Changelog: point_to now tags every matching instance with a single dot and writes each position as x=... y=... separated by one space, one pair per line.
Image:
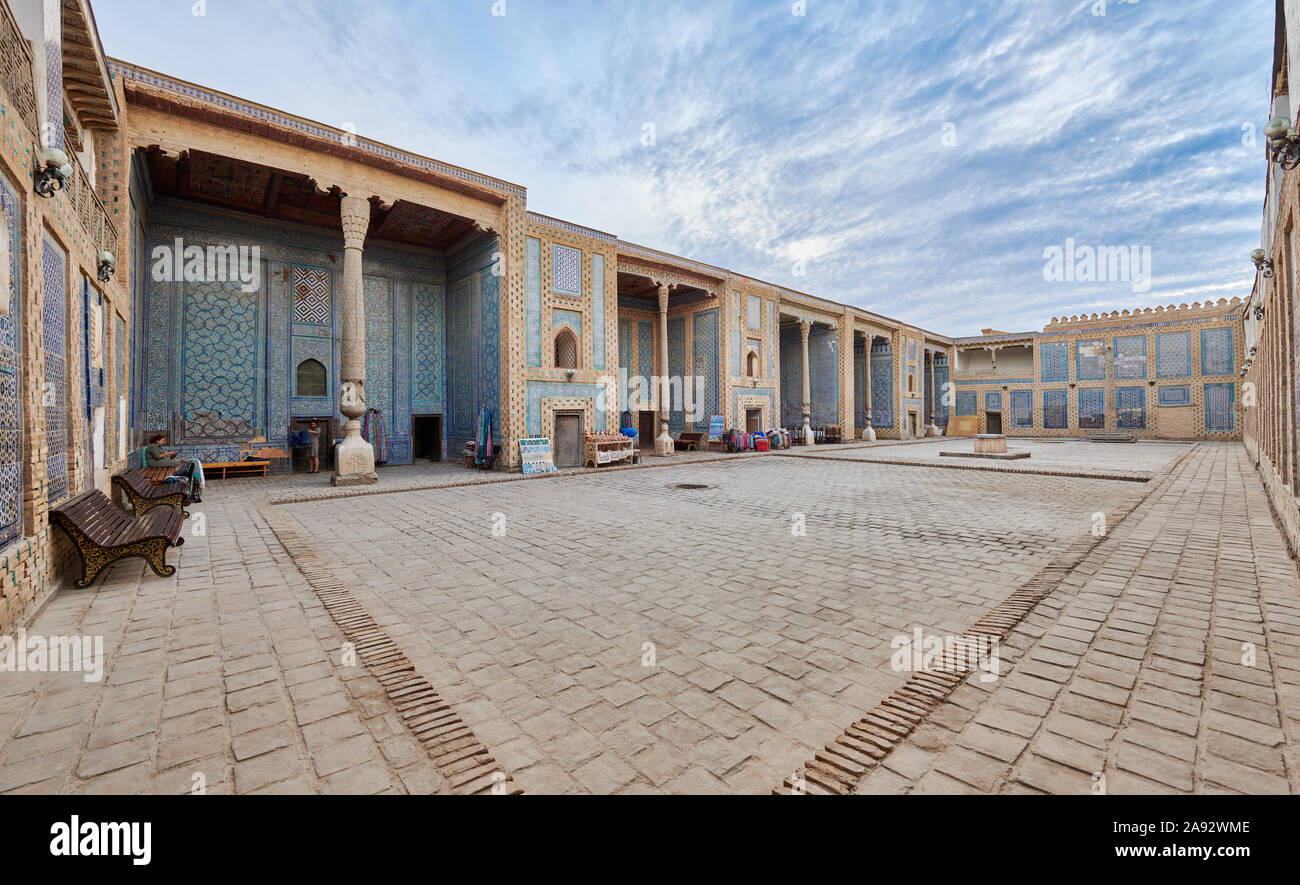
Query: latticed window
x=566 y=350
x=311 y=378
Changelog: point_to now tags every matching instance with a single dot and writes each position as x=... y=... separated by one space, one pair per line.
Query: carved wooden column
x=354 y=461
x=804 y=328
x=664 y=441
x=869 y=432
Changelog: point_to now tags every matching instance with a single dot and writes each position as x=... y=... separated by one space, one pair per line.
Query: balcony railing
x=90 y=211
x=16 y=69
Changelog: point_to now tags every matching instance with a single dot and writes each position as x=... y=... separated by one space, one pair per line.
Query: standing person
x=313 y=456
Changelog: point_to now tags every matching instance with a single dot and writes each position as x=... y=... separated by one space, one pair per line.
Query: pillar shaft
x=354 y=461
x=804 y=328
x=664 y=442
x=869 y=432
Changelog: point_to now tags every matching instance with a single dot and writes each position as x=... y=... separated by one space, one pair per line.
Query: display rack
x=600 y=449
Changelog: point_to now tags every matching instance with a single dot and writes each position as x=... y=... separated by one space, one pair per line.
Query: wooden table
x=230 y=469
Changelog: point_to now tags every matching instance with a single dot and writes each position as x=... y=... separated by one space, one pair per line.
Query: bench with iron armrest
x=102 y=533
x=137 y=487
x=689 y=441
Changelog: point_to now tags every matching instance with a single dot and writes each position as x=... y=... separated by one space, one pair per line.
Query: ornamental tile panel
x=1131 y=357
x=311 y=295
x=1219 y=413
x=1173 y=354
x=54 y=314
x=1054 y=358
x=1022 y=408
x=1131 y=408
x=1056 y=409
x=566 y=270
x=1217 y=355
x=11 y=400
x=1092 y=409
x=1090 y=360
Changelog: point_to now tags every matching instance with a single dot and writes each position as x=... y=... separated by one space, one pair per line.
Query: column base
x=354 y=459
x=868 y=434
x=809 y=437
x=664 y=444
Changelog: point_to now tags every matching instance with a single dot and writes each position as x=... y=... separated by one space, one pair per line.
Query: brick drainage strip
x=463 y=763
x=1076 y=474
x=839 y=767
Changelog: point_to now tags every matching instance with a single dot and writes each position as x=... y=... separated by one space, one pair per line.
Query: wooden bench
x=157 y=475
x=230 y=469
x=144 y=495
x=689 y=441
x=103 y=533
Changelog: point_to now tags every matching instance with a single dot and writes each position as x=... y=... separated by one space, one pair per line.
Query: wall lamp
x=1263 y=263
x=107 y=265
x=55 y=170
x=1283 y=142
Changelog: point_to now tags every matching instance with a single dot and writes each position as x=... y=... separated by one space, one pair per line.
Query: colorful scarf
x=374 y=431
x=483 y=455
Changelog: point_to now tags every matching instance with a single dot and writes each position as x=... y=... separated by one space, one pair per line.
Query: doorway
x=912 y=429
x=426 y=437
x=753 y=420
x=567 y=445
x=300 y=455
x=993 y=421
x=646 y=430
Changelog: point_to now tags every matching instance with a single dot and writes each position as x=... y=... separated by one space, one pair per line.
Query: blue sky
x=808 y=150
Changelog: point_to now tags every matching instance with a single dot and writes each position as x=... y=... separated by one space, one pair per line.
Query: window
x=311 y=379
x=566 y=349
x=751 y=365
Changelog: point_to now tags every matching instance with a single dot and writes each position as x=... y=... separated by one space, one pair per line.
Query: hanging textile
x=375 y=432
x=484 y=455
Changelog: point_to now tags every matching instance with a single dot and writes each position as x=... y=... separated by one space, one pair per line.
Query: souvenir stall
x=600 y=449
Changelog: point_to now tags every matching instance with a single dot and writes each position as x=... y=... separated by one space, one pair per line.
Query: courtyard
x=703 y=626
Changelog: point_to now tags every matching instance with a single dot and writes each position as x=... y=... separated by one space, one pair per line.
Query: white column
x=804 y=328
x=664 y=441
x=354 y=461
x=869 y=432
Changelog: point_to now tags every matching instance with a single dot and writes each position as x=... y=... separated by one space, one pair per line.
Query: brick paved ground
x=1133 y=676
x=229 y=669
x=766 y=643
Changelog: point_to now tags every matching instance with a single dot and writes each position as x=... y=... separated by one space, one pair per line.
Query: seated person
x=156 y=456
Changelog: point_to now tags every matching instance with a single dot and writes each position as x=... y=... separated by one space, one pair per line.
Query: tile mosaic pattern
x=1219 y=412
x=1173 y=354
x=1092 y=409
x=311 y=295
x=220 y=335
x=1054 y=357
x=967 y=402
x=1217 y=356
x=882 y=384
x=54 y=314
x=570 y=318
x=1131 y=408
x=1022 y=408
x=427 y=353
x=566 y=269
x=598 y=311
x=1090 y=360
x=1056 y=409
x=1131 y=357
x=1177 y=395
x=992 y=402
x=645 y=352
x=753 y=312
x=676 y=369
x=11 y=399
x=704 y=358
x=533 y=301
